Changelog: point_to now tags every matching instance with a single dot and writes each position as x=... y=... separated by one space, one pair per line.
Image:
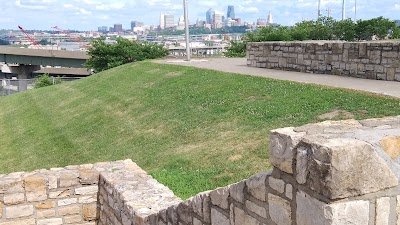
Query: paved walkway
x=239 y=65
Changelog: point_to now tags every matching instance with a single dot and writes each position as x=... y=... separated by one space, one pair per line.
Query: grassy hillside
x=192 y=129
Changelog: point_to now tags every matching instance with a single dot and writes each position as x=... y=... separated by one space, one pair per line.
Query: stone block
x=279 y=210
x=89 y=212
x=242 y=218
x=60 y=194
x=48 y=213
x=88 y=176
x=391 y=145
x=90 y=190
x=35 y=184
x=382 y=211
x=390 y=74
x=341 y=167
x=69 y=179
x=217 y=218
x=76 y=219
x=237 y=191
x=36 y=196
x=220 y=197
x=14 y=199
x=87 y=199
x=256 y=186
x=277 y=184
x=69 y=210
x=52 y=182
x=197 y=222
x=45 y=205
x=52 y=221
x=311 y=211
x=68 y=201
x=261 y=211
x=282 y=144
x=390 y=54
x=289 y=191
x=13 y=212
x=197 y=205
x=20 y=222
x=1 y=210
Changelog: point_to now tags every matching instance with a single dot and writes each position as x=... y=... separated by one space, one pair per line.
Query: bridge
x=24 y=62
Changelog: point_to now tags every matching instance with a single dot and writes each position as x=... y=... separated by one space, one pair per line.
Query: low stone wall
x=370 y=60
x=344 y=172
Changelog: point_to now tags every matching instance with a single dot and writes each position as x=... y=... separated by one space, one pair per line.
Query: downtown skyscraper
x=231 y=12
x=210 y=16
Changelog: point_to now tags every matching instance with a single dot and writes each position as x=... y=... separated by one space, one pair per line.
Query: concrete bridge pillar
x=23 y=73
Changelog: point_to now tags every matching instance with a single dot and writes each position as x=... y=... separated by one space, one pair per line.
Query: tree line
x=324 y=28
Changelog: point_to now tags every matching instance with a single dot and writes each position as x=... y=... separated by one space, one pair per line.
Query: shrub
x=237 y=49
x=45 y=80
x=105 y=56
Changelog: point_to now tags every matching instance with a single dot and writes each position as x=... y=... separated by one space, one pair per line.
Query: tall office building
x=270 y=20
x=169 y=21
x=231 y=12
x=218 y=20
x=210 y=16
x=103 y=29
x=162 y=21
x=118 y=28
x=136 y=24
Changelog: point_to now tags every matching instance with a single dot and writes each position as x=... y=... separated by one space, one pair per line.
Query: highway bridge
x=24 y=62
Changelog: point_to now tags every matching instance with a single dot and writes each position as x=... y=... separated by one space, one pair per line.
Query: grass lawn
x=192 y=129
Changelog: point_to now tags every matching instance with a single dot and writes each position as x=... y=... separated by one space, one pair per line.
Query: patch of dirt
x=174 y=74
x=235 y=158
x=336 y=115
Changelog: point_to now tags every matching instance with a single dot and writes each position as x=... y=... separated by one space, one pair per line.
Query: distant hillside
x=192 y=129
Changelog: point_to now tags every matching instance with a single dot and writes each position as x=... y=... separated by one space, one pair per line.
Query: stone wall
x=330 y=173
x=370 y=60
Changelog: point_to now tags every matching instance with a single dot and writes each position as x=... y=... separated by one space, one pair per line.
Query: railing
x=13 y=86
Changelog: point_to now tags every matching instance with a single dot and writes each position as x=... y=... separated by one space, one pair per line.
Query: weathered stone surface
x=35 y=184
x=36 y=196
x=261 y=211
x=289 y=191
x=1 y=209
x=282 y=144
x=68 y=201
x=310 y=211
x=89 y=212
x=220 y=197
x=69 y=210
x=398 y=210
x=60 y=194
x=86 y=190
x=87 y=199
x=243 y=218
x=45 y=205
x=391 y=145
x=277 y=184
x=197 y=222
x=69 y=179
x=340 y=168
x=14 y=199
x=218 y=218
x=382 y=211
x=256 y=185
x=72 y=219
x=279 y=210
x=88 y=176
x=49 y=213
x=53 y=221
x=13 y=212
x=237 y=191
x=20 y=222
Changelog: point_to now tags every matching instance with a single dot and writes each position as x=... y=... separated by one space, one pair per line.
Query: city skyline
x=90 y=14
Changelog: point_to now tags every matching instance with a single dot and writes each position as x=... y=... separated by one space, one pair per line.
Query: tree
x=45 y=80
x=345 y=30
x=105 y=56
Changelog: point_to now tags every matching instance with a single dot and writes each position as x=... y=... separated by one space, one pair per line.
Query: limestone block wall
x=330 y=173
x=52 y=197
x=369 y=60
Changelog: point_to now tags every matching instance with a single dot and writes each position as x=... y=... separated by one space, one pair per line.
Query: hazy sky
x=90 y=14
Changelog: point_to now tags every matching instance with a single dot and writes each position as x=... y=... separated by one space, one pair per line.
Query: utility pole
x=344 y=10
x=329 y=12
x=185 y=6
x=355 y=10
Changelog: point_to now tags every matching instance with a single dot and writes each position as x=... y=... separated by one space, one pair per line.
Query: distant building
x=270 y=20
x=136 y=24
x=210 y=16
x=162 y=21
x=103 y=29
x=397 y=22
x=239 y=21
x=218 y=20
x=181 y=23
x=111 y=30
x=261 y=22
x=231 y=12
x=169 y=21
x=200 y=23
x=118 y=28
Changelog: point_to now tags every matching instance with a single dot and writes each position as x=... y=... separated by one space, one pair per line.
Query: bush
x=237 y=49
x=45 y=80
x=106 y=56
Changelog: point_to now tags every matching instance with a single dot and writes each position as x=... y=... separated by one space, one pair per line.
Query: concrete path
x=239 y=65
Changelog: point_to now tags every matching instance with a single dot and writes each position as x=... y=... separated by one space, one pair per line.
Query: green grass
x=192 y=129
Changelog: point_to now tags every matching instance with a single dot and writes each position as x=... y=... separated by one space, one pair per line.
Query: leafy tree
x=105 y=56
x=345 y=30
x=44 y=42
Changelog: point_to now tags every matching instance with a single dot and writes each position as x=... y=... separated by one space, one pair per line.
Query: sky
x=90 y=14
